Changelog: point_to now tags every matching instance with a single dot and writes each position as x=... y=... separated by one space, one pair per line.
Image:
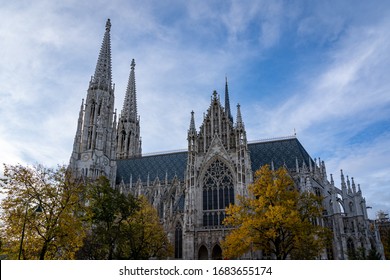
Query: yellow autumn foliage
x=275 y=218
x=39 y=216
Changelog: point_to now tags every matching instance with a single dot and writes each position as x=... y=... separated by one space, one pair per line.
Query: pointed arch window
x=178 y=241
x=218 y=193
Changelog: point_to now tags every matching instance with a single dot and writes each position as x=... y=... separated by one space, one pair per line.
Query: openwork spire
x=102 y=77
x=192 y=124
x=129 y=111
x=227 y=102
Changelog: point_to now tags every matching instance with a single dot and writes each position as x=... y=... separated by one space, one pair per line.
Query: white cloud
x=183 y=51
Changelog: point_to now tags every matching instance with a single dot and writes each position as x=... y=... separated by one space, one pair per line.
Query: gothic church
x=190 y=189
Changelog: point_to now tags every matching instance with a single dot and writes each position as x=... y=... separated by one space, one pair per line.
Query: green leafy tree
x=39 y=214
x=106 y=212
x=275 y=218
x=121 y=226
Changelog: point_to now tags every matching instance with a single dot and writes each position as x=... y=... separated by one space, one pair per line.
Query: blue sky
x=319 y=67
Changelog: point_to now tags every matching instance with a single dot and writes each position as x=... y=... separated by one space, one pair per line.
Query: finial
x=108 y=25
x=331 y=179
x=132 y=64
x=215 y=94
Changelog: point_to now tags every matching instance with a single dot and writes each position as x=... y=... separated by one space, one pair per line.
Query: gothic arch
x=203 y=253
x=351 y=248
x=217 y=184
x=216 y=252
x=210 y=161
x=178 y=241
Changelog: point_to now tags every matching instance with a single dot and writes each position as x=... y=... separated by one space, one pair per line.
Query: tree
x=106 y=214
x=121 y=226
x=40 y=212
x=145 y=235
x=275 y=218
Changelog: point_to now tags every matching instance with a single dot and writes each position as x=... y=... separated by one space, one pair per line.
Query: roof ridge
x=164 y=152
x=272 y=139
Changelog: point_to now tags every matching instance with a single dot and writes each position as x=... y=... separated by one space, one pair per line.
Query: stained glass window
x=218 y=193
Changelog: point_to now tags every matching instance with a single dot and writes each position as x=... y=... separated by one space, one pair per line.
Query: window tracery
x=218 y=193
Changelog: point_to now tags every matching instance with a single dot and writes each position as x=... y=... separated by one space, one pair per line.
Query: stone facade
x=190 y=189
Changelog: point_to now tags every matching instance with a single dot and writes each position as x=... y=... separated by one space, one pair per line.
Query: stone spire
x=129 y=138
x=192 y=129
x=343 y=184
x=227 y=102
x=239 y=117
x=129 y=111
x=103 y=74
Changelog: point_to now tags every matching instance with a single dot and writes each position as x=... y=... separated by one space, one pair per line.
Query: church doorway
x=203 y=253
x=217 y=253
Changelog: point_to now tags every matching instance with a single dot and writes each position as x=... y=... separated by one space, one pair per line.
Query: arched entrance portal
x=203 y=253
x=217 y=253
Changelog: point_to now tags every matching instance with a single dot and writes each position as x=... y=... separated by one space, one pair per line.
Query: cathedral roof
x=162 y=165
x=279 y=152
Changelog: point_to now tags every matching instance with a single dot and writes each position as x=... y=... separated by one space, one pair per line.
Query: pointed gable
x=215 y=122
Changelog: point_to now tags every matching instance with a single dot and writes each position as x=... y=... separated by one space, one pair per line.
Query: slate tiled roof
x=170 y=164
x=279 y=151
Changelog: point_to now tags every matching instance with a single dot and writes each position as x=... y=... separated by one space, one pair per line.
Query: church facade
x=190 y=189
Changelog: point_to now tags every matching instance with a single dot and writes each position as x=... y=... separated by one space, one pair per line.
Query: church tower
x=128 y=140
x=95 y=144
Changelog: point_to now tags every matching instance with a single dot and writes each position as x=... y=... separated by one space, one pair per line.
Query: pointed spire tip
x=108 y=25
